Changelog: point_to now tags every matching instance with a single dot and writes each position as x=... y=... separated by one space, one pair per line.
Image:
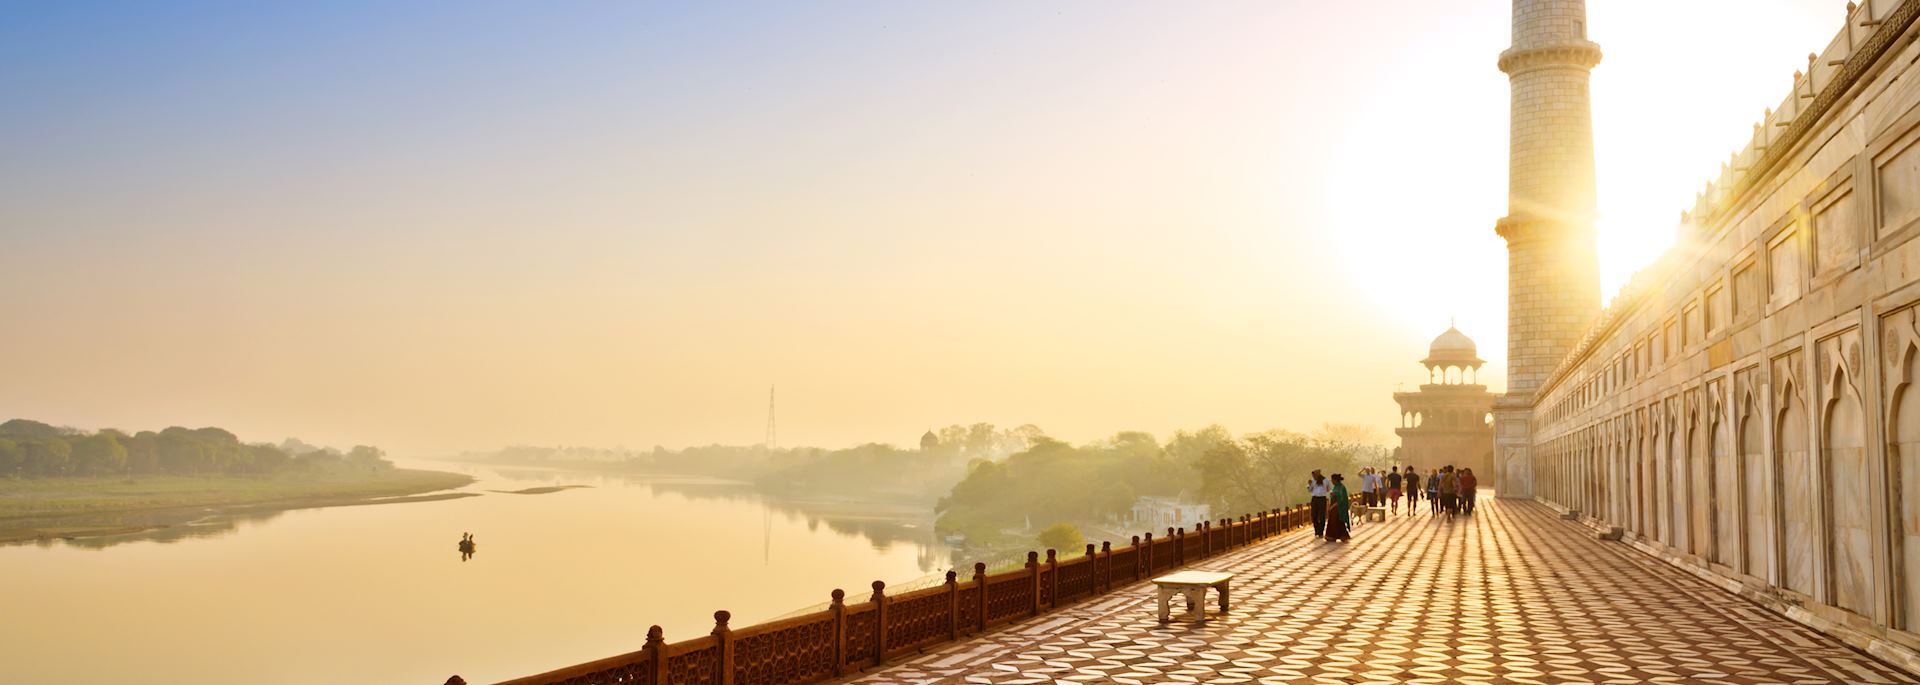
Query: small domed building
x=1450 y=420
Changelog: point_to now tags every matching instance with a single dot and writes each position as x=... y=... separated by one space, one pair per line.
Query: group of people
x=1447 y=489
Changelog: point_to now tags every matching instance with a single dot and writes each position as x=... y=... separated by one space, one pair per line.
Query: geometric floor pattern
x=1511 y=594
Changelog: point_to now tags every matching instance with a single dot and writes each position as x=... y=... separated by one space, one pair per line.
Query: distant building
x=1449 y=421
x=929 y=442
x=1169 y=512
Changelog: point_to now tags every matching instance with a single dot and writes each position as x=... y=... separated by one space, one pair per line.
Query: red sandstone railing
x=849 y=637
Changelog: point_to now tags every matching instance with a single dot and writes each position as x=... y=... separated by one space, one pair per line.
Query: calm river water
x=379 y=594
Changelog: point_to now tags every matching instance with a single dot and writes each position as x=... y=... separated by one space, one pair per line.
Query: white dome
x=1453 y=348
x=1452 y=343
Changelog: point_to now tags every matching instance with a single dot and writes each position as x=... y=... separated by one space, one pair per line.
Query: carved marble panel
x=1901 y=351
x=1679 y=484
x=1799 y=497
x=1726 y=478
x=1849 y=479
x=1756 y=497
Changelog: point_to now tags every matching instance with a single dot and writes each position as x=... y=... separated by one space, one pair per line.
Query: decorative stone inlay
x=1510 y=594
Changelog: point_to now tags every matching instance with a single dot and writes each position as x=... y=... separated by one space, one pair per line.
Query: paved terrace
x=1509 y=595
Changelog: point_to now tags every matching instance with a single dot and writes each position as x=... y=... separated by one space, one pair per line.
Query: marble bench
x=1193 y=585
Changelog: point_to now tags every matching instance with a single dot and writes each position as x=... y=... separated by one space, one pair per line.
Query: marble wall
x=1745 y=408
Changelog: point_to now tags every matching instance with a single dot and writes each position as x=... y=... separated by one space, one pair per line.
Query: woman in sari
x=1337 y=528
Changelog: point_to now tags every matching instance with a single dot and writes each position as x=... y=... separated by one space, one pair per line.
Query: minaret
x=1553 y=283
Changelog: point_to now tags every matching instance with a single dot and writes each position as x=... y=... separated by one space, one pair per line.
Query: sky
x=454 y=226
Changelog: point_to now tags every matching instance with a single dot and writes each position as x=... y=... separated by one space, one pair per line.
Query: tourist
x=1433 y=491
x=1413 y=489
x=1317 y=489
x=1338 y=525
x=1393 y=490
x=1366 y=487
x=1467 y=485
x=1449 y=491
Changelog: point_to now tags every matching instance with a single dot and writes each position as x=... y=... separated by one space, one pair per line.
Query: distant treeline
x=31 y=449
x=1098 y=483
x=868 y=471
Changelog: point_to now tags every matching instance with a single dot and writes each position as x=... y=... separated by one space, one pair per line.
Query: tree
x=98 y=454
x=981 y=442
x=1186 y=448
x=47 y=457
x=25 y=428
x=367 y=457
x=13 y=458
x=1269 y=470
x=143 y=452
x=1063 y=536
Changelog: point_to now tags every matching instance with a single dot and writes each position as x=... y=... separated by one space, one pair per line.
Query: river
x=380 y=594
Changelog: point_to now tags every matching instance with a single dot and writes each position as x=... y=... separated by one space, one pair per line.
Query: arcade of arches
x=1748 y=407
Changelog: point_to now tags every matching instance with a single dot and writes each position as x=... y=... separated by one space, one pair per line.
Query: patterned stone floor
x=1509 y=595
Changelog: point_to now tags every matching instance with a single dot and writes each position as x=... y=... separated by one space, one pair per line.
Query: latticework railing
x=846 y=637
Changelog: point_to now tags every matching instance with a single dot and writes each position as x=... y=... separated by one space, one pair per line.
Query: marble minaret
x=1553 y=288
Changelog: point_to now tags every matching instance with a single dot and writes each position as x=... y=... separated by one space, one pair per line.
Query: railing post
x=1033 y=580
x=880 y=622
x=1144 y=560
x=1093 y=569
x=1106 y=567
x=1053 y=579
x=953 y=606
x=839 y=609
x=1179 y=545
x=657 y=652
x=980 y=581
x=723 y=639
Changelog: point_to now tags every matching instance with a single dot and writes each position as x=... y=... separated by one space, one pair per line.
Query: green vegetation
x=64 y=482
x=869 y=472
x=1061 y=487
x=31 y=449
x=1063 y=537
x=1269 y=470
x=1053 y=482
x=38 y=497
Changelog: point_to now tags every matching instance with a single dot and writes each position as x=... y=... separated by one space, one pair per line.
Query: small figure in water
x=466 y=546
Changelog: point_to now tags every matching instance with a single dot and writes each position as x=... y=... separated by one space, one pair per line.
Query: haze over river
x=379 y=594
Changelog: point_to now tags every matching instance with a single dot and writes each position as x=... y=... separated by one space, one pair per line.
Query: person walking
x=1367 y=488
x=1433 y=491
x=1467 y=485
x=1413 y=489
x=1449 y=491
x=1338 y=525
x=1393 y=490
x=1317 y=489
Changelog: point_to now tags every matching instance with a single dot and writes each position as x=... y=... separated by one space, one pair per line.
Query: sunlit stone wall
x=1552 y=270
x=1747 y=407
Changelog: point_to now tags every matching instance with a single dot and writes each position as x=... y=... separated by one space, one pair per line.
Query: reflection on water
x=569 y=576
x=150 y=526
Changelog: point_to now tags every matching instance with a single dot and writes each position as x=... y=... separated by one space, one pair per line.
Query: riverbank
x=71 y=508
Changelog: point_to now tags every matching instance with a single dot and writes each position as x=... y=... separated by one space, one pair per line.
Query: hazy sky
x=461 y=225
